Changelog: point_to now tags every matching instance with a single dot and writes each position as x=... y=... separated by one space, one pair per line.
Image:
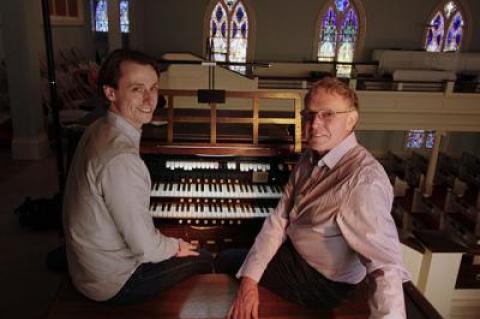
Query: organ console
x=217 y=172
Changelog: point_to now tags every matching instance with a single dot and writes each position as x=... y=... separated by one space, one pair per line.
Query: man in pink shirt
x=332 y=227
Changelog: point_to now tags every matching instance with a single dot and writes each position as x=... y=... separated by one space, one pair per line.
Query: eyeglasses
x=326 y=115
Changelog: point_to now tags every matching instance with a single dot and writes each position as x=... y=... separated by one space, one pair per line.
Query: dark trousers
x=149 y=279
x=289 y=276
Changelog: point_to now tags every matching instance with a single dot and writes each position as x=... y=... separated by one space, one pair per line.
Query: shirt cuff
x=250 y=271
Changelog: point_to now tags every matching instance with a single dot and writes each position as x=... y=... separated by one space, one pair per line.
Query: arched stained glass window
x=229 y=30
x=124 y=18
x=445 y=29
x=435 y=34
x=338 y=35
x=328 y=37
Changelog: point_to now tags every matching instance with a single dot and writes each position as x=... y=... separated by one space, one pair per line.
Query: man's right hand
x=186 y=249
x=245 y=305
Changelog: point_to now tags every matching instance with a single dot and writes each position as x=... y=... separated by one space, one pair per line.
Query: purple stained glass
x=455 y=31
x=349 y=28
x=341 y=5
x=124 y=19
x=219 y=13
x=429 y=36
x=214 y=28
x=229 y=31
x=224 y=29
x=239 y=14
x=243 y=29
x=430 y=139
x=457 y=22
x=415 y=139
x=435 y=34
x=101 y=17
x=328 y=36
x=329 y=26
x=437 y=22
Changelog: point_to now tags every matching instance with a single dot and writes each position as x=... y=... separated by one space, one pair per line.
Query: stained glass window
x=328 y=36
x=445 y=30
x=124 y=19
x=430 y=140
x=418 y=139
x=229 y=27
x=101 y=16
x=338 y=36
x=435 y=34
x=99 y=10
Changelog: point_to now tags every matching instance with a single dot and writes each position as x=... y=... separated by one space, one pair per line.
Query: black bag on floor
x=40 y=214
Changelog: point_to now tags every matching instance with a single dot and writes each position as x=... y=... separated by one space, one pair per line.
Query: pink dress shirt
x=336 y=212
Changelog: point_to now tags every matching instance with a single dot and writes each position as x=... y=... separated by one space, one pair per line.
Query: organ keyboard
x=215 y=202
x=209 y=210
x=212 y=189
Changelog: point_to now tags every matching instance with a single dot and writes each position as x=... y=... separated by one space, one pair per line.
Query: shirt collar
x=125 y=127
x=335 y=154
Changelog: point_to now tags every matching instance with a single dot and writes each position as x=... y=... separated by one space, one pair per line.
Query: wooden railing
x=212 y=116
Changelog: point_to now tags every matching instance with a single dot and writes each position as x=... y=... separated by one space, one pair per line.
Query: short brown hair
x=110 y=71
x=333 y=85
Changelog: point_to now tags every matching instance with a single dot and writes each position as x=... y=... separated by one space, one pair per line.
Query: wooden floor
x=210 y=296
x=200 y=297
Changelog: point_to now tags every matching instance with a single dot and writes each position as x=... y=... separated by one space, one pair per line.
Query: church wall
x=78 y=36
x=173 y=25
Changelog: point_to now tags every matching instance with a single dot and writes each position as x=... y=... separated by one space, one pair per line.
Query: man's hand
x=186 y=249
x=245 y=305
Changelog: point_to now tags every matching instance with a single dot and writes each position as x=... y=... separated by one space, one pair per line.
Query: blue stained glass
x=229 y=32
x=329 y=18
x=341 y=5
x=243 y=29
x=437 y=22
x=457 y=23
x=328 y=36
x=219 y=13
x=415 y=139
x=429 y=36
x=214 y=28
x=329 y=26
x=239 y=14
x=430 y=139
x=350 y=26
x=124 y=19
x=224 y=29
x=101 y=17
x=435 y=33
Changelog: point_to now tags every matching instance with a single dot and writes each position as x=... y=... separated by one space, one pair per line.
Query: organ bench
x=210 y=296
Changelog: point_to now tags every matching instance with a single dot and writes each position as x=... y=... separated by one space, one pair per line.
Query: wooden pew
x=209 y=296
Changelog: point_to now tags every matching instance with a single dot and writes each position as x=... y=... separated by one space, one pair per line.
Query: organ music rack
x=217 y=171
